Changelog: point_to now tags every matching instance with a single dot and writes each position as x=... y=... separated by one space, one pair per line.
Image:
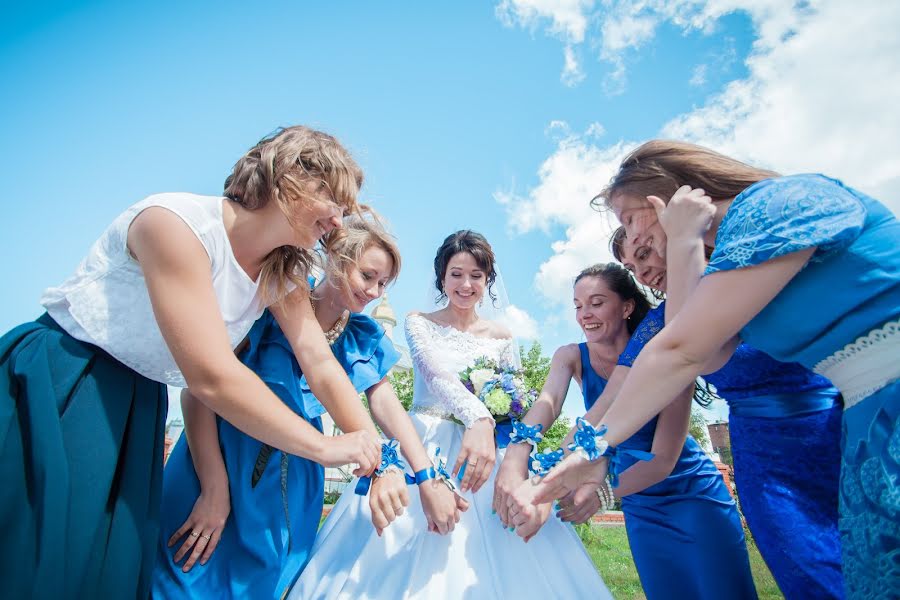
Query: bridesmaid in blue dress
x=275 y=499
x=804 y=269
x=784 y=423
x=679 y=515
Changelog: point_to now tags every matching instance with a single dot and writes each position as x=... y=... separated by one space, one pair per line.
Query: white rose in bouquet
x=479 y=377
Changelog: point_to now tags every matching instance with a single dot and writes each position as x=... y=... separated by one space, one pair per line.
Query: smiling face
x=368 y=278
x=648 y=266
x=600 y=312
x=639 y=219
x=465 y=281
x=314 y=216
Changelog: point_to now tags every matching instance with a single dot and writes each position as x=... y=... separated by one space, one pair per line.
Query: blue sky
x=463 y=115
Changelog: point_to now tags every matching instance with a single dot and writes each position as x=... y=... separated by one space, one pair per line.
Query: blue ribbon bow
x=589 y=441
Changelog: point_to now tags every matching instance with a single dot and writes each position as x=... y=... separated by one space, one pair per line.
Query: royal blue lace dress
x=840 y=316
x=785 y=424
x=276 y=499
x=684 y=531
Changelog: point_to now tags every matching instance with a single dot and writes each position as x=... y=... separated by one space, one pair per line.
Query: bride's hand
x=203 y=527
x=512 y=472
x=479 y=450
x=570 y=475
x=387 y=498
x=441 y=506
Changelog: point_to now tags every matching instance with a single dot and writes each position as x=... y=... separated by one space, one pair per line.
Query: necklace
x=337 y=329
x=603 y=372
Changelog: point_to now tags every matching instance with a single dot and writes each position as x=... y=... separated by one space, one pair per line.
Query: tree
x=698 y=428
x=402 y=382
x=535 y=365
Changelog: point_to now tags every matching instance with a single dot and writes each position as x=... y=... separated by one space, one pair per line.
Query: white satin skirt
x=479 y=559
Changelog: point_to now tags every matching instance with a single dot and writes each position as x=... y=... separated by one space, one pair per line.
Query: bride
x=479 y=557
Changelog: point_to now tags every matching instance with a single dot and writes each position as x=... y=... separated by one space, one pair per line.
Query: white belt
x=865 y=366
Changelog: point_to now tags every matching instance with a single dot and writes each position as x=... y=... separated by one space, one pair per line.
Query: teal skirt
x=81 y=453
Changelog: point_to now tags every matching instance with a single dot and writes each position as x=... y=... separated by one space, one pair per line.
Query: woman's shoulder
x=496 y=330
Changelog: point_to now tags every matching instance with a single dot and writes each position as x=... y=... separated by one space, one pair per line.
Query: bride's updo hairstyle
x=473 y=243
x=281 y=168
x=620 y=281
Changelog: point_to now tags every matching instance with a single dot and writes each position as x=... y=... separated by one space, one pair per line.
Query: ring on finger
x=206 y=537
x=194 y=534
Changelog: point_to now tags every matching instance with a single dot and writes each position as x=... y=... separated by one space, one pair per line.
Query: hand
x=579 y=506
x=570 y=475
x=512 y=472
x=359 y=447
x=479 y=451
x=203 y=527
x=524 y=514
x=441 y=506
x=387 y=499
x=688 y=215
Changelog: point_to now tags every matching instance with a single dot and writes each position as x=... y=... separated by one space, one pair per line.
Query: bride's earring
x=481 y=302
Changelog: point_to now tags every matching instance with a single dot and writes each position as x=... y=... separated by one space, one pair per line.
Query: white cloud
x=618 y=27
x=698 y=77
x=820 y=96
x=522 y=325
x=824 y=99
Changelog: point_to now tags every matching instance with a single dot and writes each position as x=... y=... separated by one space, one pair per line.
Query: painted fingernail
x=512 y=528
x=493 y=512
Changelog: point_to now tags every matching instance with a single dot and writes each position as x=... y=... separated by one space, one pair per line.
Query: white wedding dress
x=480 y=558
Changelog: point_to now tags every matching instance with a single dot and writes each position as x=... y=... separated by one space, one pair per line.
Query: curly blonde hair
x=280 y=168
x=345 y=246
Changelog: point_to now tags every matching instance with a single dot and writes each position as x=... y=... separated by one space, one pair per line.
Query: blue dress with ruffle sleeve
x=840 y=315
x=276 y=499
x=784 y=423
x=684 y=531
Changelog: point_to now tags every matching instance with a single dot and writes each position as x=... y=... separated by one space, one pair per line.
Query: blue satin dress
x=685 y=532
x=850 y=287
x=785 y=425
x=276 y=503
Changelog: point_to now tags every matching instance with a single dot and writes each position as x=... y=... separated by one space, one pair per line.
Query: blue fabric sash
x=780 y=406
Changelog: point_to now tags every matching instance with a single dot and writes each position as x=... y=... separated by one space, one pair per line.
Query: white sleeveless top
x=106 y=303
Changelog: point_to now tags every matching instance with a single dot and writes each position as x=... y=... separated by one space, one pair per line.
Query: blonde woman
x=163 y=297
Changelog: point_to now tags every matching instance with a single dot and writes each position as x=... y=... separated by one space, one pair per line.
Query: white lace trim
x=865 y=366
x=439 y=353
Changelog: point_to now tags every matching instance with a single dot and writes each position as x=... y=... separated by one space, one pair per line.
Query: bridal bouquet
x=502 y=389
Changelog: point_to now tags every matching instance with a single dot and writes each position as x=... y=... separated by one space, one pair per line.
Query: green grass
x=608 y=548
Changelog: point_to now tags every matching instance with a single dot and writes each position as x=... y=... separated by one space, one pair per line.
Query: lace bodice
x=439 y=353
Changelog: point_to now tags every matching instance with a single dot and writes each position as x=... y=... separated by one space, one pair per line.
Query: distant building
x=384 y=314
x=718 y=436
x=174 y=429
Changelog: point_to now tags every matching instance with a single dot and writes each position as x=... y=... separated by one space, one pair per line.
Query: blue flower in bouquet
x=501 y=389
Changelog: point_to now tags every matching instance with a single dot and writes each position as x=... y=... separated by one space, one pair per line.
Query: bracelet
x=390 y=461
x=590 y=444
x=542 y=462
x=523 y=433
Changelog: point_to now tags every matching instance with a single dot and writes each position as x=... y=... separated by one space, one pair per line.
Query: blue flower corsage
x=590 y=444
x=390 y=461
x=523 y=433
x=541 y=462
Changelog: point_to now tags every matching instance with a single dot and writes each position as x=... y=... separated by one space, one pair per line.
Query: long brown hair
x=282 y=167
x=660 y=167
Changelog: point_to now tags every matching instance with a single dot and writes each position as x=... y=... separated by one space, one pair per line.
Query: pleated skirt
x=81 y=454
